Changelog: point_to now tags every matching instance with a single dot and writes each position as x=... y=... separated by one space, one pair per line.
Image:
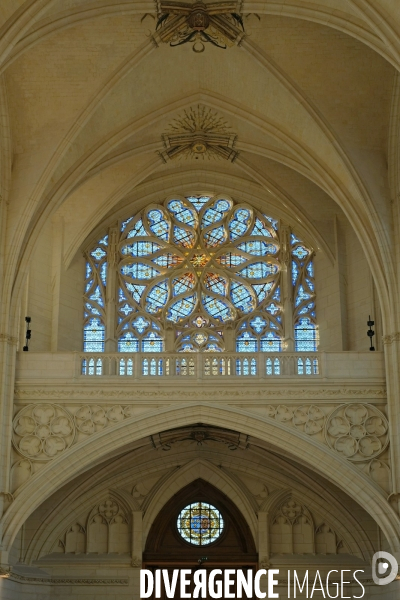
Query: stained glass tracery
x=199 y=265
x=305 y=329
x=200 y=524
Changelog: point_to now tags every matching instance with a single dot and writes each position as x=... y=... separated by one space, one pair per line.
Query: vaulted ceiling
x=310 y=93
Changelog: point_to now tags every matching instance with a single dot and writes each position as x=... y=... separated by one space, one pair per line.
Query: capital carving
x=10 y=339
x=391 y=337
x=136 y=562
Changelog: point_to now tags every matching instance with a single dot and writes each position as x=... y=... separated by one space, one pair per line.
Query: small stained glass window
x=200 y=524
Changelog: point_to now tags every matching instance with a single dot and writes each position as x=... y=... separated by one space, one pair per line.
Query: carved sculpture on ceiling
x=216 y=23
x=199 y=436
x=199 y=132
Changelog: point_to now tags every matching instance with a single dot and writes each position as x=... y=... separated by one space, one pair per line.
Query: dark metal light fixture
x=219 y=23
x=27 y=334
x=370 y=333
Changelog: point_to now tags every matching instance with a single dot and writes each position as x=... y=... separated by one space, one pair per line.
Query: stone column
x=137 y=538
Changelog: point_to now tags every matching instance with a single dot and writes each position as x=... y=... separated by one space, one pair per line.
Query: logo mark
x=384 y=568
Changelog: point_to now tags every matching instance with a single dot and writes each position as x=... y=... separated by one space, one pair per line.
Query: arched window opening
x=305 y=329
x=197 y=274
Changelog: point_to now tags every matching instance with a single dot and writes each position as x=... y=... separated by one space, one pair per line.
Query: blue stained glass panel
x=258 y=248
x=136 y=290
x=182 y=213
x=216 y=308
x=258 y=324
x=215 y=283
x=240 y=223
x=126 y=309
x=246 y=342
x=97 y=297
x=182 y=308
x=125 y=223
x=157 y=296
x=93 y=336
x=215 y=236
x=184 y=238
x=270 y=342
x=295 y=272
x=103 y=273
x=272 y=308
x=273 y=222
x=215 y=213
x=141 y=248
x=241 y=297
x=158 y=224
x=152 y=343
x=231 y=260
x=260 y=229
x=140 y=324
x=182 y=284
x=138 y=230
x=301 y=296
x=262 y=290
x=139 y=271
x=128 y=343
x=305 y=335
x=167 y=260
x=92 y=309
x=98 y=254
x=258 y=270
x=199 y=202
x=300 y=252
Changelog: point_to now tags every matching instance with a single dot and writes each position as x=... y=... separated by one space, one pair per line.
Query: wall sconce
x=28 y=334
x=370 y=333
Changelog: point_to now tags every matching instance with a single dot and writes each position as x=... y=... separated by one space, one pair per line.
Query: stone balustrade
x=202 y=367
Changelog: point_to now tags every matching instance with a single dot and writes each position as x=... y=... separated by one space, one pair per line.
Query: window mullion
x=111 y=292
x=287 y=289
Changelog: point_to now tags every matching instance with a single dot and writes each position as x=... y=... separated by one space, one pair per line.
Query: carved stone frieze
x=309 y=418
x=359 y=432
x=68 y=580
x=42 y=431
x=172 y=394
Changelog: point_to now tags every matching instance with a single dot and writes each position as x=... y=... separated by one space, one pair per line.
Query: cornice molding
x=66 y=581
x=171 y=395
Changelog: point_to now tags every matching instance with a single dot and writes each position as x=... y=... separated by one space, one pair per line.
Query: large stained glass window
x=305 y=328
x=192 y=271
x=94 y=297
x=200 y=523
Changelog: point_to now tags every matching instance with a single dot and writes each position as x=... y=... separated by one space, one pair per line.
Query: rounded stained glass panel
x=200 y=523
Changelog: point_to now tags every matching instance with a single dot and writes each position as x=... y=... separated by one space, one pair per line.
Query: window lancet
x=200 y=273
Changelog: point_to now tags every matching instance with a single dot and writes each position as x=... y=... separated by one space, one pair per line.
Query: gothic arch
x=107 y=443
x=190 y=472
